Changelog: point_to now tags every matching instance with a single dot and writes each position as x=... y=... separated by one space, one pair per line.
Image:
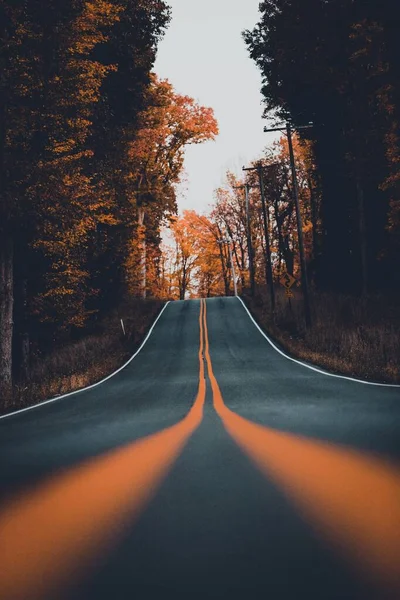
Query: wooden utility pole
x=304 y=280
x=227 y=241
x=249 y=242
x=268 y=263
x=247 y=188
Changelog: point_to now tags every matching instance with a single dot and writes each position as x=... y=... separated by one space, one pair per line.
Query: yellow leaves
x=59 y=291
x=62 y=147
x=108 y=219
x=96 y=16
x=89 y=76
x=193 y=261
x=50 y=64
x=66 y=159
x=307 y=227
x=78 y=123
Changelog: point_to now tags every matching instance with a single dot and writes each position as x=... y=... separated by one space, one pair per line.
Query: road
x=211 y=466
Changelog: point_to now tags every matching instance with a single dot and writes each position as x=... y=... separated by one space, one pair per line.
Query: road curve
x=210 y=467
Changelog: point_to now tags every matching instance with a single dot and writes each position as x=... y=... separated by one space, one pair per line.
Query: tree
x=62 y=191
x=167 y=126
x=187 y=251
x=194 y=258
x=345 y=80
x=48 y=85
x=126 y=95
x=73 y=79
x=230 y=215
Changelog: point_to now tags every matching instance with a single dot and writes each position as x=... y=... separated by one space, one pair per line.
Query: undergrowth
x=349 y=335
x=87 y=361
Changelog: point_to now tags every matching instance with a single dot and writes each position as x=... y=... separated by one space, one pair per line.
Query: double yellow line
x=227 y=416
x=351 y=499
x=49 y=536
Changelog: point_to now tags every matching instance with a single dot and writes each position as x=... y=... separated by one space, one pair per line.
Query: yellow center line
x=53 y=534
x=351 y=498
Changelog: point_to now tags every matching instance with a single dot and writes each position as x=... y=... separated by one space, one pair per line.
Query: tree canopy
x=91 y=148
x=336 y=64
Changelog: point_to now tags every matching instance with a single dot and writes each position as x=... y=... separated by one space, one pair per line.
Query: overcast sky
x=204 y=56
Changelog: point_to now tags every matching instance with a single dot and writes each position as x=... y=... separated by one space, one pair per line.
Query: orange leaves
x=90 y=24
x=169 y=123
x=70 y=209
x=194 y=267
x=155 y=158
x=67 y=182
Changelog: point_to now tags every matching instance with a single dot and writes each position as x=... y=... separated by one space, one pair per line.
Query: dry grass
x=351 y=336
x=87 y=361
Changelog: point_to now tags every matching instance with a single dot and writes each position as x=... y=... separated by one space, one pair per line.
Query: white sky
x=204 y=56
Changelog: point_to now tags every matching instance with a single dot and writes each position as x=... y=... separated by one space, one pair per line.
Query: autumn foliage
x=201 y=264
x=91 y=149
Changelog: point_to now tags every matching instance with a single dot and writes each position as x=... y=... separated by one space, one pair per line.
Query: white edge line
x=393 y=385
x=93 y=384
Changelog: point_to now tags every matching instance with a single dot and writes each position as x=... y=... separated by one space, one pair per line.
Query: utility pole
x=228 y=241
x=304 y=280
x=247 y=188
x=232 y=266
x=268 y=263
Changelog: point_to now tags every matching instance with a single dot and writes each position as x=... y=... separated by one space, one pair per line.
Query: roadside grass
x=351 y=336
x=87 y=361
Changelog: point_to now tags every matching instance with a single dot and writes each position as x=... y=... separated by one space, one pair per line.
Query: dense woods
x=91 y=147
x=336 y=64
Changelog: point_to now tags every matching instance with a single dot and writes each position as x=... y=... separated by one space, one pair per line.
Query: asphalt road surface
x=211 y=466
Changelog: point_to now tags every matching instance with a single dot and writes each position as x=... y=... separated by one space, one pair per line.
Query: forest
x=336 y=65
x=92 y=147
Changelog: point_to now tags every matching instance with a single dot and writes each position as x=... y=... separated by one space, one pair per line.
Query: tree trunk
x=281 y=250
x=143 y=272
x=223 y=266
x=314 y=218
x=182 y=287
x=25 y=355
x=288 y=256
x=363 y=238
x=337 y=267
x=242 y=267
x=143 y=269
x=6 y=317
x=20 y=329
